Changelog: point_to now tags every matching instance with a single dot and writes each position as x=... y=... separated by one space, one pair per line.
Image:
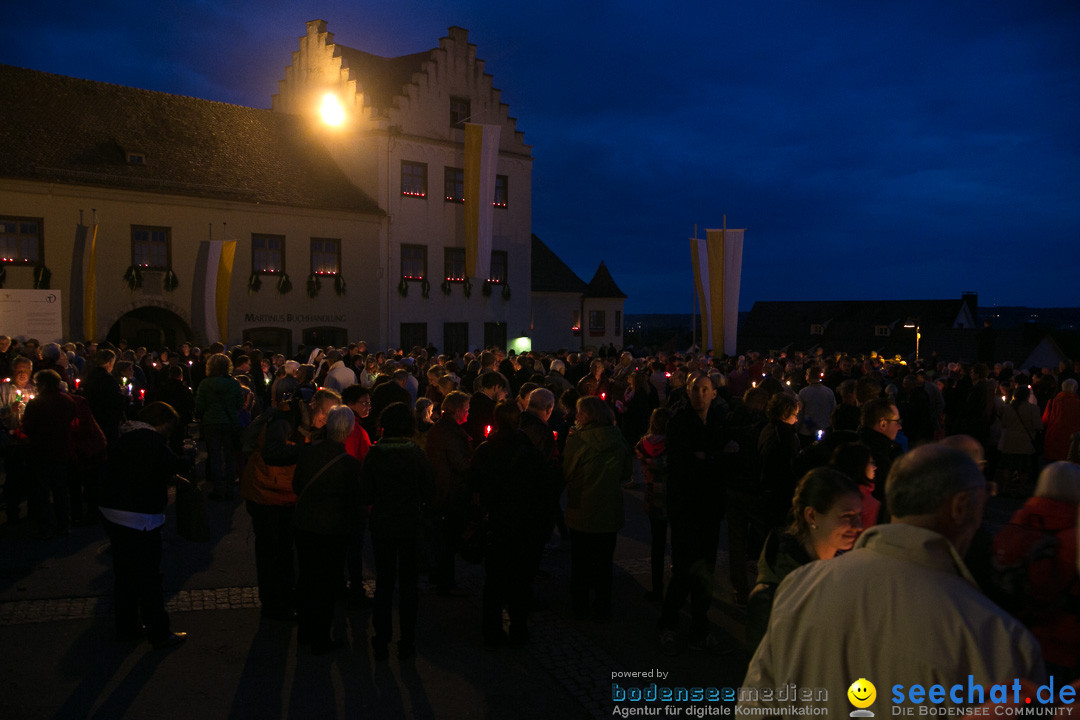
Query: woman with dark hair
x=218 y=402
x=826 y=517
x=857 y=462
x=596 y=463
x=778 y=446
x=397 y=482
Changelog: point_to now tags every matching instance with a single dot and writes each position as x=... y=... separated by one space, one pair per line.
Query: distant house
x=887 y=327
x=568 y=312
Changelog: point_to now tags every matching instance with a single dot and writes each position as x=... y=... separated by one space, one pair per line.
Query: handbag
x=1037 y=440
x=191 y=522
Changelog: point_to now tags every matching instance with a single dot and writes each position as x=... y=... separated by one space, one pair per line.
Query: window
x=136 y=158
x=455 y=185
x=596 y=322
x=455 y=338
x=618 y=323
x=497 y=271
x=460 y=112
x=495 y=334
x=21 y=240
x=150 y=247
x=414 y=179
x=268 y=254
x=575 y=323
x=414 y=262
x=502 y=191
x=413 y=335
x=881 y=331
x=270 y=339
x=325 y=256
x=817 y=329
x=454 y=264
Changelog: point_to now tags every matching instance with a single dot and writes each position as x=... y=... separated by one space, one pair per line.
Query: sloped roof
x=382 y=78
x=550 y=273
x=66 y=130
x=603 y=285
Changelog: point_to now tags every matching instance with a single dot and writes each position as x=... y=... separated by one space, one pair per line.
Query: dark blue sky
x=872 y=150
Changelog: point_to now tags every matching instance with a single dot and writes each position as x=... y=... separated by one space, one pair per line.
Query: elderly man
x=900 y=609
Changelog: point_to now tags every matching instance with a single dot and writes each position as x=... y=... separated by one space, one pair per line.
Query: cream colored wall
x=192 y=221
x=609 y=306
x=553 y=317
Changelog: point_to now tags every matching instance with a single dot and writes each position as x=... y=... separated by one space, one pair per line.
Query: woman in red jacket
x=1061 y=419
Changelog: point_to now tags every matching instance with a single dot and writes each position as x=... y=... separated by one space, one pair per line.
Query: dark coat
x=139 y=471
x=327 y=503
x=696 y=482
x=508 y=472
x=397 y=482
x=449 y=451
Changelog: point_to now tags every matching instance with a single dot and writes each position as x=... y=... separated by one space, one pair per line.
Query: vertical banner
x=76 y=291
x=717 y=264
x=699 y=261
x=219 y=267
x=90 y=300
x=481 y=161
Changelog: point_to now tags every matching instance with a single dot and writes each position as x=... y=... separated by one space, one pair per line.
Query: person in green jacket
x=217 y=406
x=596 y=463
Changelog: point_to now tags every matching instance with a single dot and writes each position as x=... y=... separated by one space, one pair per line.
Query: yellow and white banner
x=481 y=162
x=219 y=269
x=717 y=264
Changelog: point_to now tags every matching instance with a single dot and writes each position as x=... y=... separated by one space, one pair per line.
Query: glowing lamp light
x=603 y=396
x=332 y=112
x=487 y=430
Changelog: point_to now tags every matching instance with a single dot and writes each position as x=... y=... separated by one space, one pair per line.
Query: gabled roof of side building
x=61 y=129
x=603 y=285
x=550 y=273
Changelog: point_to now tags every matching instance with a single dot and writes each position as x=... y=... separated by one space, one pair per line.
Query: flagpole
x=693 y=302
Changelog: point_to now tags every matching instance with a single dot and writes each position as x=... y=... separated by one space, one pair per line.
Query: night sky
x=872 y=149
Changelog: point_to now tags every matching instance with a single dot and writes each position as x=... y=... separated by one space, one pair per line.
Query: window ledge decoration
x=171 y=282
x=133 y=278
x=314 y=285
x=339 y=285
x=3 y=275
x=467 y=285
x=284 y=284
x=403 y=287
x=487 y=288
x=506 y=291
x=425 y=288
x=445 y=287
x=254 y=282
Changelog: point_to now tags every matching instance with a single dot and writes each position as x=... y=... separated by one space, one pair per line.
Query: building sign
x=295 y=317
x=31 y=314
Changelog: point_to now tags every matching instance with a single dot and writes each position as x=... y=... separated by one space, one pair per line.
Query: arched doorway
x=150 y=327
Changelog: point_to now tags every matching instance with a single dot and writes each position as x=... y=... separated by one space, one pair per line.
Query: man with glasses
x=901 y=604
x=879 y=425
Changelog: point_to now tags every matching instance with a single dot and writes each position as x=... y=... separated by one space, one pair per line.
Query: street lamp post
x=918 y=336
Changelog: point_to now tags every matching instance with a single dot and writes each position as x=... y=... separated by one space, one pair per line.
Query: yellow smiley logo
x=862 y=693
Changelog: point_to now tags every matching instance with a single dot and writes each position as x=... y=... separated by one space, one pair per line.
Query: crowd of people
x=806 y=461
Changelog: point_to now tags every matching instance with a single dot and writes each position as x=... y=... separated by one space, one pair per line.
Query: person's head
x=938 y=488
x=292 y=367
x=218 y=364
x=1020 y=395
x=541 y=403
x=397 y=421
x=658 y=421
x=493 y=384
x=855 y=461
x=782 y=408
x=47 y=381
x=283 y=389
x=1059 y=481
x=340 y=422
x=881 y=415
x=826 y=512
x=455 y=405
x=5 y=343
x=701 y=392
x=401 y=377
x=967 y=445
x=21 y=367
x=358 y=399
x=507 y=416
x=322 y=402
x=557 y=366
x=591 y=410
x=243 y=364
x=424 y=408
x=160 y=416
x=333 y=356
x=1069 y=386
x=50 y=352
x=105 y=358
